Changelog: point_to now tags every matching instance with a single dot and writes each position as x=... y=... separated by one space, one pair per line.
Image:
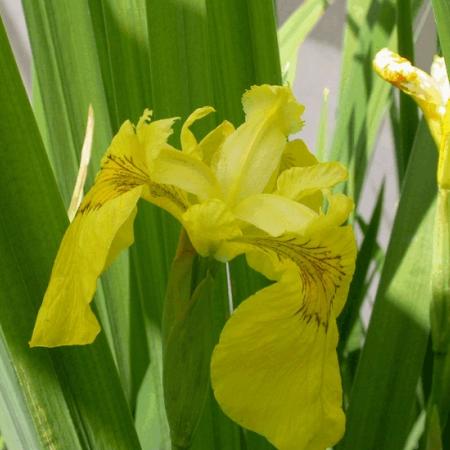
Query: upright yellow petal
x=188 y=141
x=275 y=369
x=297 y=154
x=423 y=88
x=260 y=100
x=211 y=145
x=339 y=208
x=252 y=153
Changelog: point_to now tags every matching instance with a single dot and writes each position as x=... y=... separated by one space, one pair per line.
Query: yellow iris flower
x=430 y=91
x=237 y=191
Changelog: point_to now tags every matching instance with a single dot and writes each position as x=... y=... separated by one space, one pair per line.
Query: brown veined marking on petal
x=318 y=268
x=120 y=174
x=168 y=191
x=399 y=79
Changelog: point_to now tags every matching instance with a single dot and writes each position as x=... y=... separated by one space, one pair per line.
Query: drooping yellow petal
x=188 y=141
x=65 y=317
x=299 y=182
x=102 y=227
x=275 y=368
x=186 y=172
x=324 y=257
x=210 y=146
x=209 y=224
x=423 y=88
x=252 y=153
x=274 y=214
x=297 y=154
x=339 y=208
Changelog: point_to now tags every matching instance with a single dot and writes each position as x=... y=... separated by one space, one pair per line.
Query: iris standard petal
x=252 y=153
x=296 y=154
x=188 y=141
x=210 y=146
x=275 y=369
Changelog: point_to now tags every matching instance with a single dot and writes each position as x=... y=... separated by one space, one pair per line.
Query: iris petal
x=251 y=155
x=299 y=182
x=188 y=141
x=101 y=229
x=274 y=214
x=423 y=88
x=275 y=369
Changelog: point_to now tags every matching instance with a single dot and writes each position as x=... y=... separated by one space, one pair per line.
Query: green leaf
x=350 y=314
x=408 y=117
x=294 y=31
x=433 y=440
x=441 y=10
x=363 y=97
x=69 y=79
x=439 y=400
x=65 y=398
x=382 y=400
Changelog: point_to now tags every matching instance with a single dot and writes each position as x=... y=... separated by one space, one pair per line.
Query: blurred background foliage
x=122 y=56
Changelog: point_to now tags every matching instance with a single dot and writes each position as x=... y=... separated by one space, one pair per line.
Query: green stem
x=439 y=402
x=440 y=305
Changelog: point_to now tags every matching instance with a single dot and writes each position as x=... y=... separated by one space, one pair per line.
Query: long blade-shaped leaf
x=382 y=401
x=363 y=97
x=441 y=10
x=69 y=78
x=367 y=252
x=69 y=398
x=409 y=118
x=294 y=31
